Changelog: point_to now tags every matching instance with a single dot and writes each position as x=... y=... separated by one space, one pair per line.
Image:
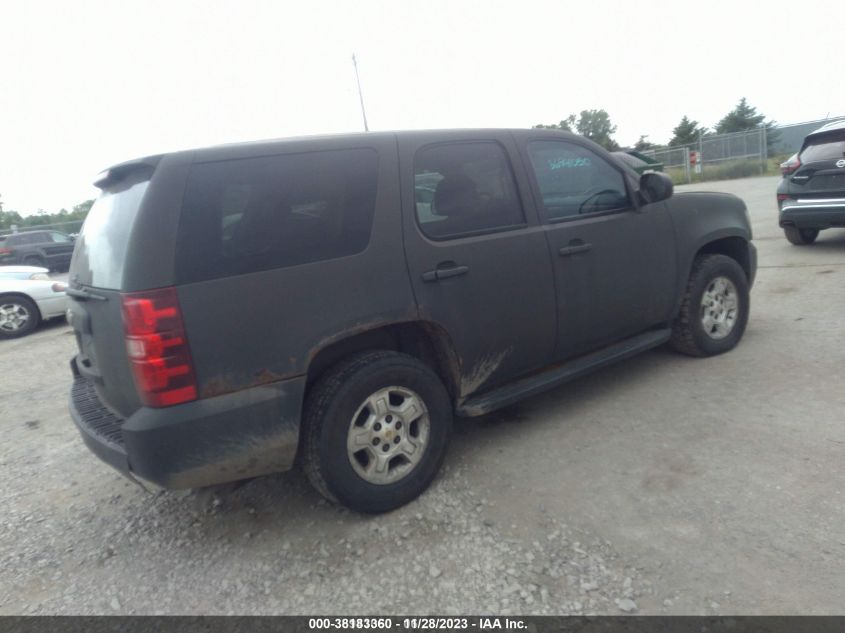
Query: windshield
x=101 y=248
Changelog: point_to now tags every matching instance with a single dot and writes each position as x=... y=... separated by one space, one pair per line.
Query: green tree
x=745 y=117
x=8 y=218
x=644 y=143
x=593 y=124
x=596 y=126
x=686 y=132
x=81 y=210
x=565 y=125
x=78 y=214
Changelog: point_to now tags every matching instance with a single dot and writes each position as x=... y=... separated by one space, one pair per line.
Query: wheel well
x=424 y=341
x=6 y=295
x=734 y=247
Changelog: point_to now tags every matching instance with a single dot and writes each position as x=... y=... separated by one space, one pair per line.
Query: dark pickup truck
x=334 y=301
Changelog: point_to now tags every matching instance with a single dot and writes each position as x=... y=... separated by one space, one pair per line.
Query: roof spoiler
x=116 y=173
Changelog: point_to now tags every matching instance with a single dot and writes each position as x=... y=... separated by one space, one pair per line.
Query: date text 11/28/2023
x=417 y=623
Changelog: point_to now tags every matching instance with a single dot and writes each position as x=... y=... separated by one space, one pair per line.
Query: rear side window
x=465 y=188
x=829 y=146
x=247 y=215
x=100 y=250
x=59 y=238
x=23 y=239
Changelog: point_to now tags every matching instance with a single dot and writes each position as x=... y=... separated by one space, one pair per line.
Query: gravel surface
x=77 y=538
x=662 y=485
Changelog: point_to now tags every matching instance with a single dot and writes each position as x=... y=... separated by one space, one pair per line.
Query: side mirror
x=655 y=186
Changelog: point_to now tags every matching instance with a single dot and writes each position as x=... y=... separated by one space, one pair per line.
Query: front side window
x=574 y=181
x=246 y=215
x=465 y=188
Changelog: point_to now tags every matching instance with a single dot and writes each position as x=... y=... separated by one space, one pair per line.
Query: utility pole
x=360 y=94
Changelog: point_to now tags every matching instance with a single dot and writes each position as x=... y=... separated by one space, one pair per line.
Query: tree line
x=13 y=218
x=596 y=126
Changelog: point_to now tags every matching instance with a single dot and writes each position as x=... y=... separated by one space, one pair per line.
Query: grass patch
x=727 y=170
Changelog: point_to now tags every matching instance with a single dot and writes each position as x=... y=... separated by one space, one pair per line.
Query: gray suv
x=811 y=196
x=334 y=301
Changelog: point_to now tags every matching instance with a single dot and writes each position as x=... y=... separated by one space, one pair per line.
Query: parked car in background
x=811 y=196
x=27 y=297
x=48 y=249
x=638 y=161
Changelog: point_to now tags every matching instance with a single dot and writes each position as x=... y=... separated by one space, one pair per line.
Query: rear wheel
x=715 y=307
x=18 y=316
x=375 y=431
x=800 y=237
x=35 y=260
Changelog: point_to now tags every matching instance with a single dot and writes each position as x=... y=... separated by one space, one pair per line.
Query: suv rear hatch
x=96 y=279
x=822 y=170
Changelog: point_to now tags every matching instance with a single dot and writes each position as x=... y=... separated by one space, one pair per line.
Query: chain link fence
x=716 y=156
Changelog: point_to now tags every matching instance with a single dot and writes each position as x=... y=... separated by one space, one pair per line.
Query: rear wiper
x=84 y=295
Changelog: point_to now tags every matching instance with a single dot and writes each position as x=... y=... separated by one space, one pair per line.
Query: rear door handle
x=574 y=248
x=444 y=272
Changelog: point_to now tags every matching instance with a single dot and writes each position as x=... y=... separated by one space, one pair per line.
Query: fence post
x=701 y=154
x=764 y=150
x=687 y=165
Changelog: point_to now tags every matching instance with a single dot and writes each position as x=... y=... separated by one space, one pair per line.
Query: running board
x=559 y=374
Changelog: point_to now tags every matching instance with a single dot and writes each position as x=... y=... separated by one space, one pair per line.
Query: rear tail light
x=5 y=251
x=784 y=196
x=790 y=166
x=158 y=348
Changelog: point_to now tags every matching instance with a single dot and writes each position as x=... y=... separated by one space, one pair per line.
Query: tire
x=800 y=237
x=696 y=331
x=35 y=260
x=368 y=394
x=18 y=316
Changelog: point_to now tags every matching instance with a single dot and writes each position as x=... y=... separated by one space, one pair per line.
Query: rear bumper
x=234 y=436
x=813 y=213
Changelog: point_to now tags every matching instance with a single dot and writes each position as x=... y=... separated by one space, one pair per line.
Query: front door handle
x=444 y=271
x=575 y=246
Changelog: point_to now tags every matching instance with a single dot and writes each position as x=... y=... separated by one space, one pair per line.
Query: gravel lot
x=664 y=484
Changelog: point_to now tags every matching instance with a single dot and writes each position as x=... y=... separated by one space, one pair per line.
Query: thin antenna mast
x=360 y=94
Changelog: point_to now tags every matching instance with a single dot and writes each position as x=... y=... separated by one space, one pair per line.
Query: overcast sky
x=84 y=84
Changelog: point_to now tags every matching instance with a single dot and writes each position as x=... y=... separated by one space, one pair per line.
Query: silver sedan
x=27 y=297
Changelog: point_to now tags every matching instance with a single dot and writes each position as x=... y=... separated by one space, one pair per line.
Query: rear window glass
x=22 y=239
x=99 y=255
x=255 y=214
x=828 y=146
x=465 y=188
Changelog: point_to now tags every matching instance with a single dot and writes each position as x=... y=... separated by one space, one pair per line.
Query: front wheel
x=715 y=307
x=375 y=431
x=18 y=316
x=800 y=237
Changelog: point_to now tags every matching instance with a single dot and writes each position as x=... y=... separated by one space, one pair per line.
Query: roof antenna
x=360 y=94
